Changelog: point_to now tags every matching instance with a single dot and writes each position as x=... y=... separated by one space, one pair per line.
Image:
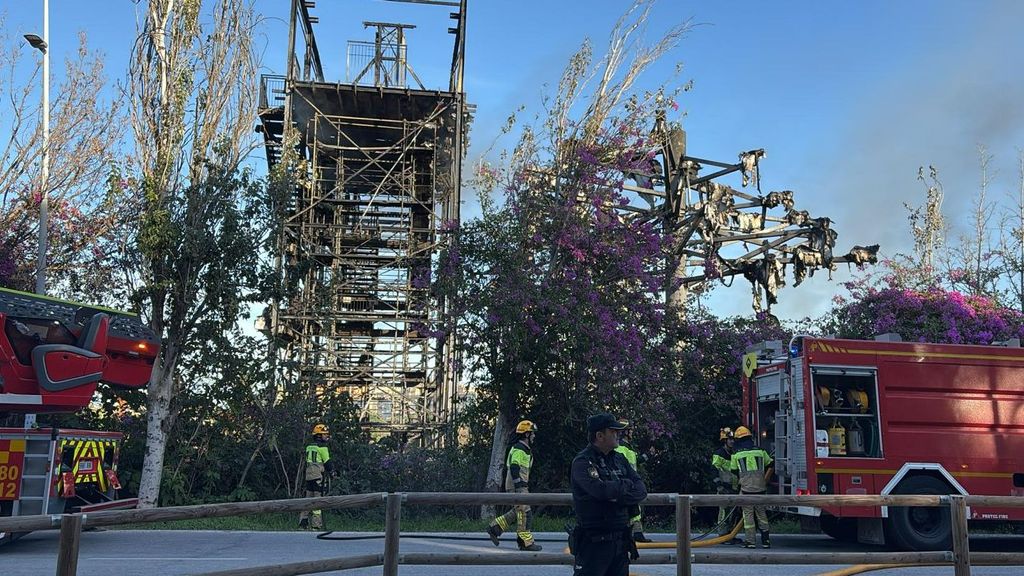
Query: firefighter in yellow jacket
x=517 y=479
x=749 y=463
x=636 y=513
x=725 y=481
x=319 y=467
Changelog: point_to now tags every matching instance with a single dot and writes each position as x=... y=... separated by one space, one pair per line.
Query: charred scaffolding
x=720 y=232
x=378 y=169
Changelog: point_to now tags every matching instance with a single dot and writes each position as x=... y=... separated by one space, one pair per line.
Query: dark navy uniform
x=604 y=487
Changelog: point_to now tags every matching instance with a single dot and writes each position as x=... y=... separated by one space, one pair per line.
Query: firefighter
x=636 y=518
x=725 y=482
x=750 y=463
x=319 y=467
x=517 y=479
x=604 y=487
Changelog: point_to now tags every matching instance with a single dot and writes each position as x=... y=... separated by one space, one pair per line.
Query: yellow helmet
x=525 y=426
x=320 y=429
x=860 y=401
x=742 y=432
x=725 y=433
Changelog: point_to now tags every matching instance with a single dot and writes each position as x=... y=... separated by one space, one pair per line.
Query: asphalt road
x=166 y=553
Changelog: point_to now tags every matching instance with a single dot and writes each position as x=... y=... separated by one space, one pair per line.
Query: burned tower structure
x=373 y=168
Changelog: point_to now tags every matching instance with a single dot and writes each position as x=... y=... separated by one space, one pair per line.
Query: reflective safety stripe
x=93 y=451
x=520 y=457
x=753 y=460
x=317 y=454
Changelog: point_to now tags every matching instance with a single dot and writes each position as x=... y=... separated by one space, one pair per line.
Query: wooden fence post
x=683 y=566
x=392 y=528
x=961 y=547
x=70 y=536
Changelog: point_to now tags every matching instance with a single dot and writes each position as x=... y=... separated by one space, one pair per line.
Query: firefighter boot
x=532 y=547
x=639 y=537
x=494 y=531
x=303 y=523
x=765 y=539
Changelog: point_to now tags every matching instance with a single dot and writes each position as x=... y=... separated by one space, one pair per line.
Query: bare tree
x=927 y=223
x=85 y=132
x=1011 y=241
x=972 y=263
x=192 y=88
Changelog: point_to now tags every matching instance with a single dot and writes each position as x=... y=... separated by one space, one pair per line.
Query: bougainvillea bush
x=931 y=314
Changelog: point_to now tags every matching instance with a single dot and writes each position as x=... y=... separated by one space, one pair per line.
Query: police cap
x=599 y=422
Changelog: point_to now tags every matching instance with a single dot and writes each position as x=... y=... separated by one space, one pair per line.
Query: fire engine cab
x=53 y=355
x=889 y=417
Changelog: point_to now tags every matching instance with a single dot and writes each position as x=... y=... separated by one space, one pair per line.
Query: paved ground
x=166 y=553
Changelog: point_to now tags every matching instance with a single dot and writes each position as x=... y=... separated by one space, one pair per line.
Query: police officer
x=604 y=487
x=725 y=481
x=636 y=514
x=517 y=479
x=749 y=463
x=318 y=467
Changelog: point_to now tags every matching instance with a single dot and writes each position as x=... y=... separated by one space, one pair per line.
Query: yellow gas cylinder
x=836 y=439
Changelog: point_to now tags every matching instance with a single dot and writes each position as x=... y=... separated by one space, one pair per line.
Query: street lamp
x=36 y=42
x=43 y=46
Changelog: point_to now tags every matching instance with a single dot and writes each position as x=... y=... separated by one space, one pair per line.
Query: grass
x=373 y=521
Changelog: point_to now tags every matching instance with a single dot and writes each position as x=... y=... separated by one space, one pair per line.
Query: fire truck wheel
x=842 y=529
x=920 y=528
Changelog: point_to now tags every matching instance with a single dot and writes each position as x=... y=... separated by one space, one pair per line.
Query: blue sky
x=848 y=98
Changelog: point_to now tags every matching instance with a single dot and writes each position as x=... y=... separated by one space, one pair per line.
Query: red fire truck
x=53 y=355
x=889 y=417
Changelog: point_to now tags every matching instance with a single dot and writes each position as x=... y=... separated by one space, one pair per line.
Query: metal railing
x=272 y=91
x=365 y=64
x=683 y=557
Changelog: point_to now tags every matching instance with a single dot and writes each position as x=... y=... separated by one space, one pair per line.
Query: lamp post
x=42 y=44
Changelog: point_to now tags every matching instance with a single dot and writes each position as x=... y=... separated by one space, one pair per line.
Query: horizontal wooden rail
x=994 y=501
x=551 y=559
x=795 y=558
x=960 y=557
x=111 y=517
x=661 y=499
x=308 y=567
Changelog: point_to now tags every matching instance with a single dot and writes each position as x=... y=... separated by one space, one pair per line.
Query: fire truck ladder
x=783 y=431
x=35 y=480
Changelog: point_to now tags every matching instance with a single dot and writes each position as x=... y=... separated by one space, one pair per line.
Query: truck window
x=846 y=417
x=24 y=334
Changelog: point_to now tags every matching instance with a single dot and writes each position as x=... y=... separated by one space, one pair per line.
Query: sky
x=847 y=98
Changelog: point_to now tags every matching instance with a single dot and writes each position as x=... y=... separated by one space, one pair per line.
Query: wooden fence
x=959 y=557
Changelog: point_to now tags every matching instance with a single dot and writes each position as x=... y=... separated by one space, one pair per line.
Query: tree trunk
x=495 y=469
x=158 y=427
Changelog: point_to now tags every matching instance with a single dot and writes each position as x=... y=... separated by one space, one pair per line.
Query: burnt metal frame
x=361 y=231
x=706 y=217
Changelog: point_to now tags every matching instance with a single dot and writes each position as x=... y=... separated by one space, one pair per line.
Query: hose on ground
x=861 y=568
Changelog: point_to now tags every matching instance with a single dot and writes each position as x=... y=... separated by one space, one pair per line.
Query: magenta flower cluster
x=930 y=315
